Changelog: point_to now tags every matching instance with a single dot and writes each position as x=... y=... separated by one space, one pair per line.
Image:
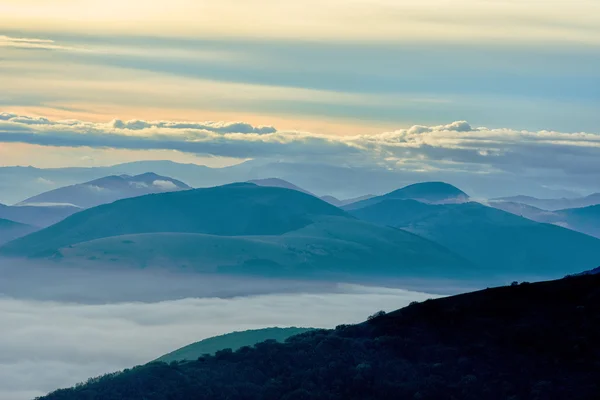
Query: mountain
x=496 y=241
x=426 y=192
x=238 y=228
x=106 y=190
x=585 y=220
x=554 y=204
x=10 y=230
x=525 y=341
x=280 y=183
x=39 y=216
x=234 y=341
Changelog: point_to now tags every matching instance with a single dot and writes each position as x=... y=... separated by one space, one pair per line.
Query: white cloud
x=164 y=185
x=457 y=145
x=47 y=345
x=31 y=43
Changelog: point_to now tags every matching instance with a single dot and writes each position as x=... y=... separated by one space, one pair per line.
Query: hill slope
x=426 y=192
x=40 y=216
x=233 y=341
x=107 y=189
x=495 y=240
x=10 y=230
x=530 y=341
x=331 y=248
x=230 y=210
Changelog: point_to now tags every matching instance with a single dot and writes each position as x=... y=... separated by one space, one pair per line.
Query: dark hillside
x=527 y=341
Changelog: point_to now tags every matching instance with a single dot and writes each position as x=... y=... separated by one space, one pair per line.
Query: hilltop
x=106 y=190
x=426 y=192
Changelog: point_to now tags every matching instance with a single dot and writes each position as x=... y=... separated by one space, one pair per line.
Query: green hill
x=333 y=247
x=530 y=341
x=494 y=240
x=233 y=341
x=230 y=210
x=426 y=192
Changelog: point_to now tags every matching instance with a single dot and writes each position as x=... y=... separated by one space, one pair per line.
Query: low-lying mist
x=45 y=345
x=62 y=325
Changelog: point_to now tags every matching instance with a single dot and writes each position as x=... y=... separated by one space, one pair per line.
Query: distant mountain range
x=233 y=341
x=585 y=220
x=524 y=341
x=553 y=204
x=273 y=231
x=342 y=182
x=106 y=190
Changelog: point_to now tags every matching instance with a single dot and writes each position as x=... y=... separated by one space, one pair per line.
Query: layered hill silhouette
x=239 y=228
x=554 y=204
x=492 y=239
x=10 y=230
x=426 y=192
x=280 y=183
x=585 y=220
x=38 y=216
x=233 y=340
x=276 y=182
x=524 y=341
x=106 y=190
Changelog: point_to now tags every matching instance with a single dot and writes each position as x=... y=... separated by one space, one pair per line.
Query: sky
x=379 y=82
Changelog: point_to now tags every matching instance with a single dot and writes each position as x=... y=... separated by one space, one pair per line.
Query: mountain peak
x=430 y=192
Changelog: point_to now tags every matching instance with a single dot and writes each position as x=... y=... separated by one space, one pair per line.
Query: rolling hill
x=529 y=341
x=233 y=341
x=242 y=229
x=10 y=230
x=492 y=239
x=426 y=192
x=106 y=190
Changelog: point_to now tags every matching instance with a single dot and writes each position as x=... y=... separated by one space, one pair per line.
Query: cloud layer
x=455 y=146
x=47 y=345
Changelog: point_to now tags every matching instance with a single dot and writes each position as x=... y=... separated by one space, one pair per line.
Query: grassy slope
x=330 y=247
x=230 y=210
x=233 y=340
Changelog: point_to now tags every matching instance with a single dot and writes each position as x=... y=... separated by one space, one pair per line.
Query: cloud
x=164 y=185
x=47 y=345
x=455 y=146
x=31 y=43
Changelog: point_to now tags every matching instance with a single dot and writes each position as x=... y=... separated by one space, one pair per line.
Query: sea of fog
x=60 y=326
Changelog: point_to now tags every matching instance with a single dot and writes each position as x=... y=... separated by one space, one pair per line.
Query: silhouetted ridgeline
x=527 y=341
